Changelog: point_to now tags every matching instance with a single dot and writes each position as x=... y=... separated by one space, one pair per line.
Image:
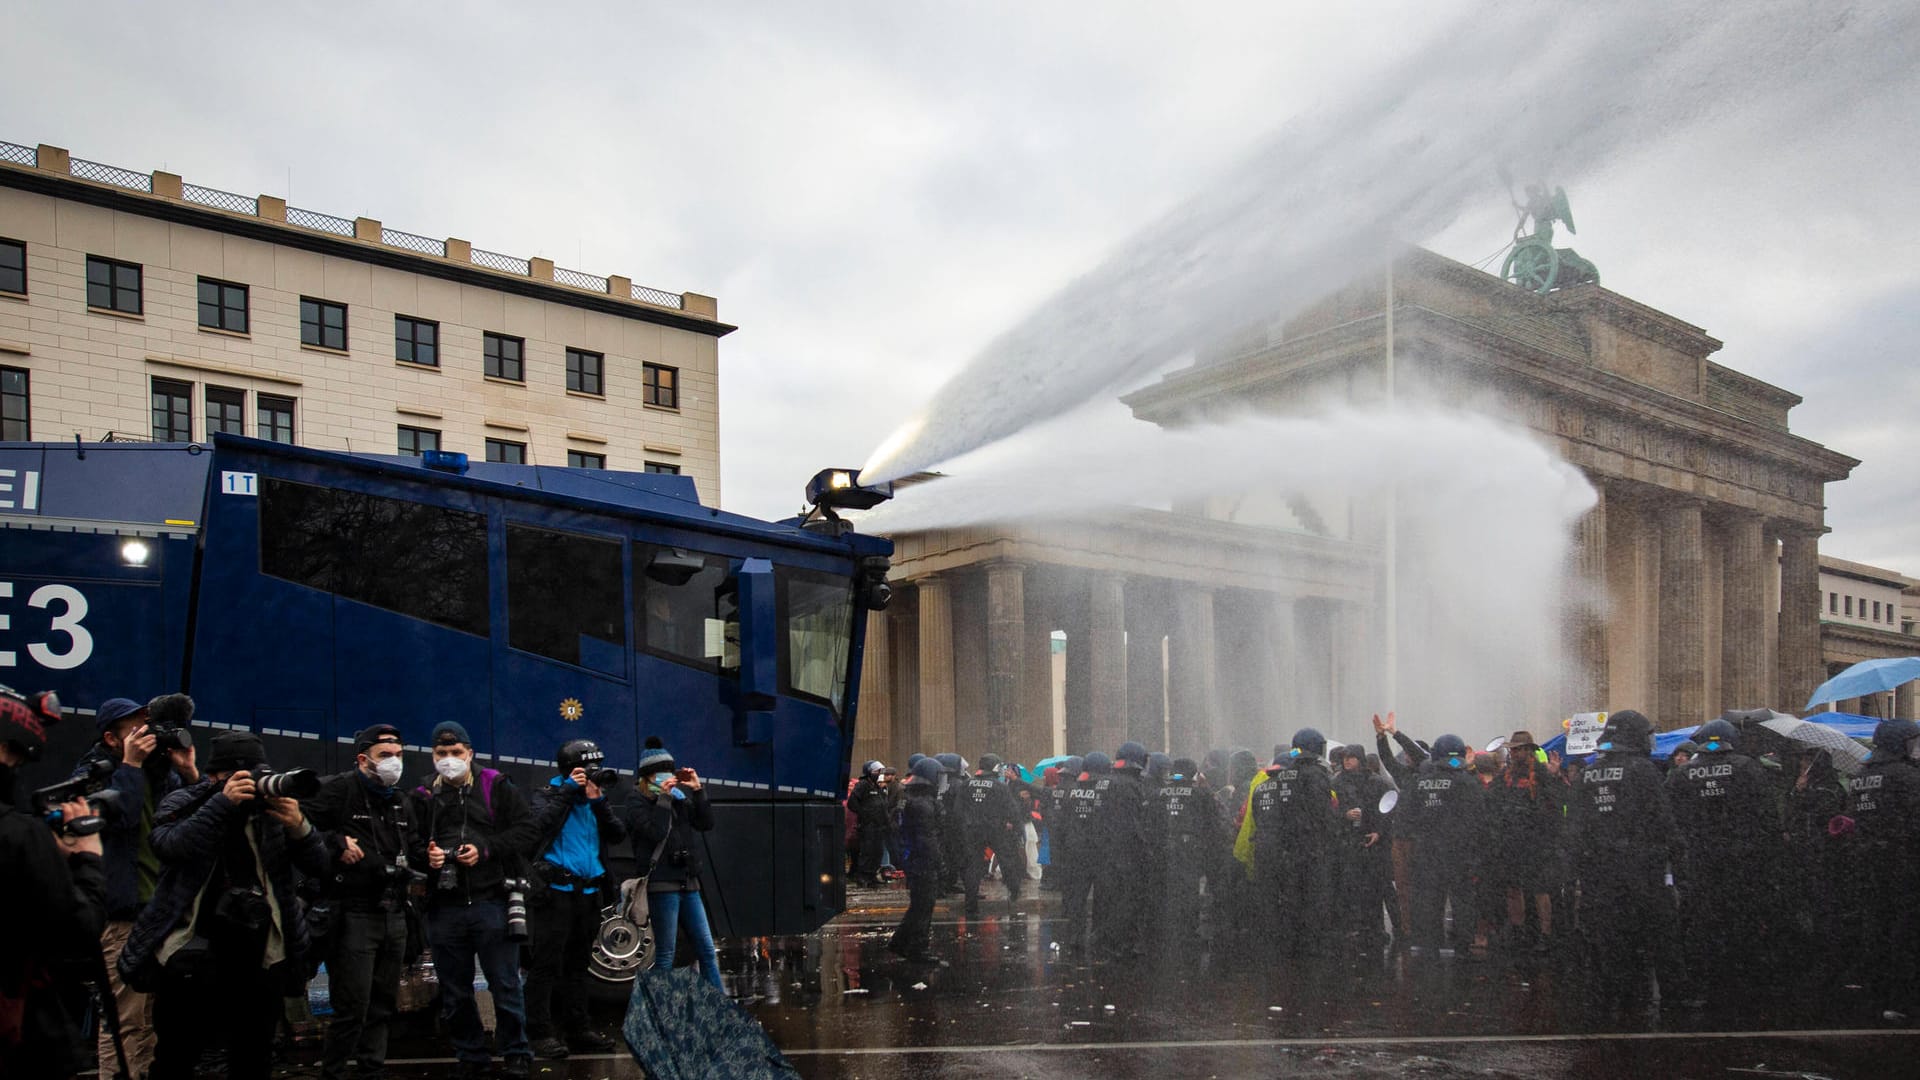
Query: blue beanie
x=654 y=758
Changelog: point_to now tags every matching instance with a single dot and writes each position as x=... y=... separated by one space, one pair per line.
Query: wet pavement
x=1008 y=1004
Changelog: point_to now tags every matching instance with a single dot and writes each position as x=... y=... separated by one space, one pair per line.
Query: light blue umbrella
x=1867 y=677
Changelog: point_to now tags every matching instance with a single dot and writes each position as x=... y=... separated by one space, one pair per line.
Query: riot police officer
x=1883 y=865
x=1445 y=819
x=1622 y=839
x=1073 y=844
x=992 y=820
x=1724 y=808
x=953 y=836
x=1120 y=833
x=1289 y=833
x=1191 y=831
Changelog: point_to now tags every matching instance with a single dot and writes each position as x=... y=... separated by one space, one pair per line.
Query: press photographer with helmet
x=151 y=755
x=573 y=826
x=368 y=826
x=55 y=901
x=672 y=806
x=223 y=941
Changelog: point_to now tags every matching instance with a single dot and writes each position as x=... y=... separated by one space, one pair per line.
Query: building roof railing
x=266 y=207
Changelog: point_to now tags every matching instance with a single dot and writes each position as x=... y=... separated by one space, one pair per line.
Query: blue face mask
x=660 y=780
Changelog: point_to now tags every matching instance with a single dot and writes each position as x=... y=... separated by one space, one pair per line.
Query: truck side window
x=423 y=561
x=564 y=598
x=816 y=614
x=685 y=608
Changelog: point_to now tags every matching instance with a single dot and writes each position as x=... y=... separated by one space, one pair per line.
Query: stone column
x=1743 y=627
x=1355 y=692
x=1006 y=659
x=1036 y=723
x=968 y=593
x=1193 y=693
x=936 y=665
x=1683 y=626
x=903 y=620
x=873 y=736
x=1282 y=710
x=1800 y=663
x=1108 y=661
x=1903 y=703
x=1081 y=723
x=1589 y=683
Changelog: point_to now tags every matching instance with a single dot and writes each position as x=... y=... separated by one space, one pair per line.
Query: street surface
x=1007 y=1005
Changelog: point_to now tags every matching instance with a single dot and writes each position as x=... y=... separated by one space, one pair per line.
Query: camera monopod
x=109 y=1012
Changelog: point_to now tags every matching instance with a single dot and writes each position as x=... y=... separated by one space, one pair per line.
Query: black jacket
x=488 y=812
x=348 y=805
x=1444 y=811
x=190 y=834
x=1723 y=803
x=1362 y=790
x=988 y=810
x=128 y=823
x=1192 y=827
x=1072 y=829
x=920 y=841
x=649 y=819
x=1884 y=802
x=1619 y=820
x=870 y=805
x=55 y=906
x=1122 y=831
x=1293 y=811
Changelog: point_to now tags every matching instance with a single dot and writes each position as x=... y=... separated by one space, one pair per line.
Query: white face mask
x=388 y=770
x=453 y=768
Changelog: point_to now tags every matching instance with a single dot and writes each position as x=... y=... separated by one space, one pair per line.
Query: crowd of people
x=1640 y=881
x=215 y=886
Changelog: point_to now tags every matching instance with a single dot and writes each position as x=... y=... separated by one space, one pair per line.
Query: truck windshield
x=816 y=612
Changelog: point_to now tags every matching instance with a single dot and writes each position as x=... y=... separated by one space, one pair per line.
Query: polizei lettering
x=1703 y=772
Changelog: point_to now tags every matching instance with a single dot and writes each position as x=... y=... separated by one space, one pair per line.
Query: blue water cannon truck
x=302 y=594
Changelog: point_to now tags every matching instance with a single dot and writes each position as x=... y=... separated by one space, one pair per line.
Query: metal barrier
x=326 y=223
x=110 y=174
x=19 y=155
x=425 y=245
x=578 y=280
x=658 y=297
x=506 y=264
x=219 y=200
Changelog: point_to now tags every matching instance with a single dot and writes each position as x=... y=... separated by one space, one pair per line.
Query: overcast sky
x=874 y=190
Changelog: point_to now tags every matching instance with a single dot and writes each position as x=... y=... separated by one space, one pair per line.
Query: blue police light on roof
x=444 y=460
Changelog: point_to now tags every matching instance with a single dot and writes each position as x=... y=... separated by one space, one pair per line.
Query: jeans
x=564 y=925
x=457 y=934
x=363 y=978
x=670 y=911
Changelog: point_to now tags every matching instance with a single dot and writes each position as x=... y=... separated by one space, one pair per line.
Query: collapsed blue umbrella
x=682 y=1027
x=1867 y=677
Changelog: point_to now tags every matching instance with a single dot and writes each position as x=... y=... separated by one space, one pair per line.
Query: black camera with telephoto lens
x=604 y=779
x=517 y=907
x=285 y=784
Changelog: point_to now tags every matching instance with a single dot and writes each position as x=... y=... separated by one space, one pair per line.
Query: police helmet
x=989 y=762
x=1716 y=736
x=874 y=768
x=1159 y=766
x=914 y=759
x=1627 y=731
x=1451 y=751
x=579 y=754
x=1097 y=763
x=927 y=771
x=1891 y=737
x=1185 y=768
x=1310 y=742
x=1073 y=766
x=950 y=762
x=1131 y=755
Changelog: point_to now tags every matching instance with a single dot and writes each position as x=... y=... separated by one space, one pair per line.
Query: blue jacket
x=188 y=834
x=553 y=808
x=120 y=841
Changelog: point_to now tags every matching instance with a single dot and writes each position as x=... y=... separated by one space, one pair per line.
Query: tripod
x=109 y=1012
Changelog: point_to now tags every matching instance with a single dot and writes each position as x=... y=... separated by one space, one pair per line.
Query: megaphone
x=1388 y=800
x=1494 y=746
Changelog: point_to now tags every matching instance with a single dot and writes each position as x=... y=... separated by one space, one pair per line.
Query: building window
x=583 y=371
x=223 y=306
x=273 y=418
x=14 y=414
x=13 y=266
x=172 y=411
x=1833 y=603
x=580 y=459
x=323 y=323
x=113 y=285
x=226 y=411
x=506 y=453
x=417 y=440
x=504 y=355
x=1876 y=610
x=661 y=385
x=416 y=341
x=663 y=468
x=1848 y=605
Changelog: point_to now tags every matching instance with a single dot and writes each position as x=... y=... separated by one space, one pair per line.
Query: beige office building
x=138 y=305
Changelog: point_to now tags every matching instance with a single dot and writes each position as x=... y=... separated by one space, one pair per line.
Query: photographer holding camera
x=55 y=900
x=368 y=826
x=672 y=807
x=573 y=826
x=151 y=754
x=473 y=824
x=222 y=942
